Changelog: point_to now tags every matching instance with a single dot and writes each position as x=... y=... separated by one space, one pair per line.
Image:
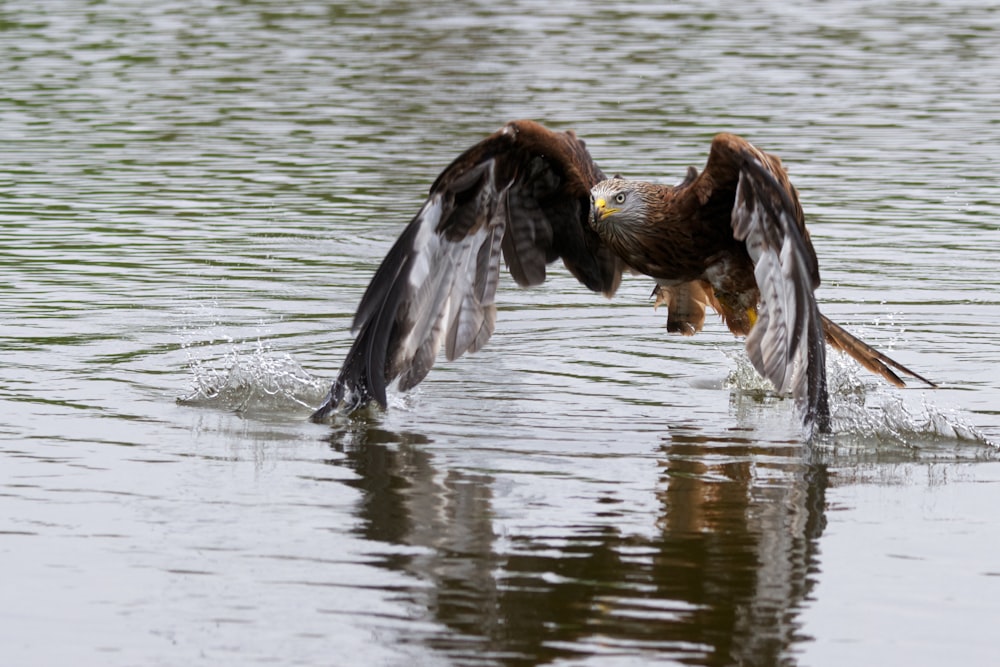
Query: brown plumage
x=732 y=237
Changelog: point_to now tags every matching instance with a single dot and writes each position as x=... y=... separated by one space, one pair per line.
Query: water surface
x=193 y=196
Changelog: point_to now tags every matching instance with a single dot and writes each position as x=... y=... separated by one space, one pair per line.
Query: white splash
x=888 y=417
x=257 y=381
x=866 y=412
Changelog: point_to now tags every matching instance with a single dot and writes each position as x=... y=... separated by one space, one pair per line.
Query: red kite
x=732 y=237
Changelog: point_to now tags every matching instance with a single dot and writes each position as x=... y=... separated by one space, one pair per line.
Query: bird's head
x=616 y=205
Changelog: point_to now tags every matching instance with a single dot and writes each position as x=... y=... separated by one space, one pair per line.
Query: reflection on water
x=719 y=582
x=193 y=197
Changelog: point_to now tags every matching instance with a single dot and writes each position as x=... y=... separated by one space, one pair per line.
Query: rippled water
x=193 y=196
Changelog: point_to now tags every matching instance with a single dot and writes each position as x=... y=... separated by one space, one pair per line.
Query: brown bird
x=732 y=237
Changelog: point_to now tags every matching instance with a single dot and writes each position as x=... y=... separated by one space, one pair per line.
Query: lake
x=193 y=197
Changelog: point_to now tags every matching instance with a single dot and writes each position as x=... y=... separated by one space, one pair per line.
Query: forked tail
x=866 y=355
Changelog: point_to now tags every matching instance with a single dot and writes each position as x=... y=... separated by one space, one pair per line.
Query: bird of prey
x=732 y=238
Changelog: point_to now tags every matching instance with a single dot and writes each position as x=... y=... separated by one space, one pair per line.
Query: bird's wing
x=524 y=193
x=786 y=344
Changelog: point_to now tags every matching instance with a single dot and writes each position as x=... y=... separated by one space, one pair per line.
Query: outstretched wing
x=786 y=344
x=524 y=193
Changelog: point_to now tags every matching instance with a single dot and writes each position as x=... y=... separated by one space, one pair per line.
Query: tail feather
x=866 y=355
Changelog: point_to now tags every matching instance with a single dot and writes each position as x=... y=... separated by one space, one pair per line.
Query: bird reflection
x=719 y=581
x=407 y=501
x=747 y=518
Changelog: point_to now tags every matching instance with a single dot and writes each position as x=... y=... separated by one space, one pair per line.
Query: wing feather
x=523 y=194
x=475 y=312
x=786 y=345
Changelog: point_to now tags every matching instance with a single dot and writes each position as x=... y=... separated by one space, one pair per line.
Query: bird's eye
x=620 y=198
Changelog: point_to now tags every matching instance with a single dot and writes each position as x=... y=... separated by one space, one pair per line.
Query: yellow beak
x=601 y=209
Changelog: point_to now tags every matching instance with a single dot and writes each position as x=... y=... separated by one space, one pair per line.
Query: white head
x=618 y=205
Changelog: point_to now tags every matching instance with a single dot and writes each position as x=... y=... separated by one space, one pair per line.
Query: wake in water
x=865 y=412
x=257 y=381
